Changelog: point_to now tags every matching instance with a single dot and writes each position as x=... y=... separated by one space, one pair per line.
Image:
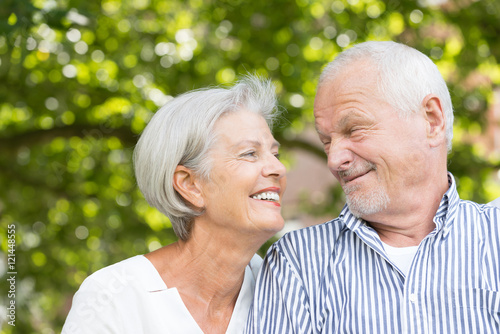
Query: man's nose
x=340 y=157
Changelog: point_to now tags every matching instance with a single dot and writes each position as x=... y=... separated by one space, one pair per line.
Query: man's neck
x=407 y=224
x=403 y=237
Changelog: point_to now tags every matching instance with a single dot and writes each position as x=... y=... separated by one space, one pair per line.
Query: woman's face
x=247 y=180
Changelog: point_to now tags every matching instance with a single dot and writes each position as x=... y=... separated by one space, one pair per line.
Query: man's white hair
x=404 y=77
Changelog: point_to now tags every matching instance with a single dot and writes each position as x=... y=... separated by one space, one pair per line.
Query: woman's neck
x=208 y=271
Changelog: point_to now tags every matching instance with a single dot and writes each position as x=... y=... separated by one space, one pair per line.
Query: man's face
x=378 y=158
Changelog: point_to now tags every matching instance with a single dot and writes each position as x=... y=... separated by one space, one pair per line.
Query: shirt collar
x=351 y=221
x=445 y=215
x=443 y=219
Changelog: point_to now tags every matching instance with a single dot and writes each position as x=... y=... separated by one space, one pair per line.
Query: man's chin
x=367 y=205
x=349 y=189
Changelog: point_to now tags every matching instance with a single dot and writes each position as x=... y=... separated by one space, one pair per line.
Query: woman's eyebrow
x=255 y=143
x=247 y=142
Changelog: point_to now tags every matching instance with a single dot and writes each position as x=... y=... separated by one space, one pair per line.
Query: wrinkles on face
x=355 y=171
x=373 y=153
x=245 y=162
x=345 y=121
x=363 y=201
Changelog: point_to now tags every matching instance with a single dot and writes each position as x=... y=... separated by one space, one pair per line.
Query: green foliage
x=82 y=78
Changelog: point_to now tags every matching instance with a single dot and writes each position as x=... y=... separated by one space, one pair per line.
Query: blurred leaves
x=80 y=79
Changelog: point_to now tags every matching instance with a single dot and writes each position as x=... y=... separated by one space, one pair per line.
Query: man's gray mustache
x=359 y=169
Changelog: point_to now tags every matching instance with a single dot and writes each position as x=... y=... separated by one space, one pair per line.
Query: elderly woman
x=209 y=162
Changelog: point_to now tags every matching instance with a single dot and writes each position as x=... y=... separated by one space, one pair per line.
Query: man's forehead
x=340 y=118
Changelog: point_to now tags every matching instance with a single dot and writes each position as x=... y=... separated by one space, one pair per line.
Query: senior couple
x=405 y=255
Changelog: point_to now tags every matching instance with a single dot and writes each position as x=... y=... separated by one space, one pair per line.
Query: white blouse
x=131 y=297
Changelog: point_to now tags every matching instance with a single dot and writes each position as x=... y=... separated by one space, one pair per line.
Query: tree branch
x=37 y=137
x=303 y=145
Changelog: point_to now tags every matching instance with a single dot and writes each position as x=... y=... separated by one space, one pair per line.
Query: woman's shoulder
x=135 y=273
x=123 y=272
x=98 y=303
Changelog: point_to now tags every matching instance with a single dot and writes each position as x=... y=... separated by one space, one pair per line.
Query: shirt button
x=413 y=297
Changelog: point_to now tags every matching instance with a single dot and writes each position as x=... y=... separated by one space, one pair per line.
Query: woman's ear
x=436 y=120
x=187 y=185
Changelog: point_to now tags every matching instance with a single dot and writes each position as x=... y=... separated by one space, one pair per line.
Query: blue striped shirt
x=337 y=278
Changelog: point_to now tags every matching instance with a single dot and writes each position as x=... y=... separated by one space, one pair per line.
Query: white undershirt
x=401 y=256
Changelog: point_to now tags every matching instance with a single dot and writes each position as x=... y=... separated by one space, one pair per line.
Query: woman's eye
x=277 y=155
x=249 y=154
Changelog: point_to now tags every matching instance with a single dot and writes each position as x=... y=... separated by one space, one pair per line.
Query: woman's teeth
x=269 y=196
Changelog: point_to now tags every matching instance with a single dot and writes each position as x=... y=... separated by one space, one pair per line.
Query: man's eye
x=326 y=147
x=277 y=155
x=356 y=129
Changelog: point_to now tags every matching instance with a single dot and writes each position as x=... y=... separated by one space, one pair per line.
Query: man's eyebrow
x=342 y=123
x=350 y=117
x=320 y=133
x=345 y=120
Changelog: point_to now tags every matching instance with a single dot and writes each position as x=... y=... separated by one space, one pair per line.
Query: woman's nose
x=274 y=167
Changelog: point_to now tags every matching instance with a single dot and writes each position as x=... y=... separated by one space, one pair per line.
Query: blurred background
x=79 y=79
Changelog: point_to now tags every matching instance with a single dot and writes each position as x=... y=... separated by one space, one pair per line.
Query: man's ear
x=436 y=120
x=187 y=185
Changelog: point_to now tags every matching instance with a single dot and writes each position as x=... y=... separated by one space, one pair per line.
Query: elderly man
x=406 y=254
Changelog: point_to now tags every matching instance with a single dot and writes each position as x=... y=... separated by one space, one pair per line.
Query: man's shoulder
x=330 y=226
x=480 y=208
x=495 y=203
x=306 y=252
x=312 y=238
x=485 y=215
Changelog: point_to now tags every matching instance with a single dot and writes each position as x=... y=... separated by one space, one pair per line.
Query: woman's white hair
x=181 y=133
x=405 y=77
